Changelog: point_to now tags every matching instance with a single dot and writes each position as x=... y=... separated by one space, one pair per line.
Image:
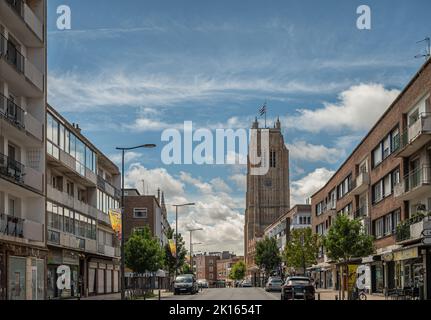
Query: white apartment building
x=23 y=253
x=82 y=186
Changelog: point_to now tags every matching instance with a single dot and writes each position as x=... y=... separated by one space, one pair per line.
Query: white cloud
x=358 y=108
x=307 y=186
x=220 y=185
x=240 y=181
x=128 y=157
x=203 y=187
x=154 y=179
x=301 y=150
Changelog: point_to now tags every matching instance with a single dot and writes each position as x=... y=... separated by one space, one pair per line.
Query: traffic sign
x=426 y=241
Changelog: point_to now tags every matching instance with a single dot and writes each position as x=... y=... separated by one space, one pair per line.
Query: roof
x=297 y=208
x=403 y=92
x=101 y=156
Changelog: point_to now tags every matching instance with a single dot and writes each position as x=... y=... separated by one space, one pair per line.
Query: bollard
x=336 y=297
x=318 y=296
x=160 y=294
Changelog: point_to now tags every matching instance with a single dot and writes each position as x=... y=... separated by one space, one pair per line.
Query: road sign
x=426 y=241
x=427 y=233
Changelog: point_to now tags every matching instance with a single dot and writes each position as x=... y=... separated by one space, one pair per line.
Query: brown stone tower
x=268 y=196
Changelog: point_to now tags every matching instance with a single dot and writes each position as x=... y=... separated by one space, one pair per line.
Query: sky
x=128 y=70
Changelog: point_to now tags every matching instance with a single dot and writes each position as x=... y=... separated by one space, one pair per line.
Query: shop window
x=17 y=278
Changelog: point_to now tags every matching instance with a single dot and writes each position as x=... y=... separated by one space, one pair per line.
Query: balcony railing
x=12 y=55
x=53 y=236
x=17 y=6
x=361 y=213
x=12 y=112
x=412 y=228
x=11 y=226
x=101 y=183
x=412 y=133
x=11 y=168
x=417 y=178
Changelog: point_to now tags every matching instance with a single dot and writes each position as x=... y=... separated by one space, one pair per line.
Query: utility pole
x=191 y=245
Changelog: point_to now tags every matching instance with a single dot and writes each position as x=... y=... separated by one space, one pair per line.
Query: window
x=396 y=220
x=388 y=185
x=395 y=139
x=387 y=147
x=319 y=209
x=413 y=117
x=140 y=213
x=396 y=177
x=378 y=192
x=388 y=224
x=377 y=155
x=273 y=159
x=345 y=187
x=379 y=228
x=333 y=199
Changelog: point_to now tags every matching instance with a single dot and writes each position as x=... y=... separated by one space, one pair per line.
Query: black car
x=298 y=288
x=186 y=284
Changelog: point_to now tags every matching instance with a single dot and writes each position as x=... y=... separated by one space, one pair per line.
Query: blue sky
x=129 y=69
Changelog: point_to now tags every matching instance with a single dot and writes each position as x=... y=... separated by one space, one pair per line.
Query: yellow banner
x=173 y=247
x=353 y=269
x=115 y=218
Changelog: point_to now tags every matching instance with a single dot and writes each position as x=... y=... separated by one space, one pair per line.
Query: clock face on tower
x=268 y=183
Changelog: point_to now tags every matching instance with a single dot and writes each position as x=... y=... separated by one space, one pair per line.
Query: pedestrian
x=316 y=284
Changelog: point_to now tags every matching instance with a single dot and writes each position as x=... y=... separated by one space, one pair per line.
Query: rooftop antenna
x=427 y=54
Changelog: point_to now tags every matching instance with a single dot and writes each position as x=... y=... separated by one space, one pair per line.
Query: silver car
x=274 y=284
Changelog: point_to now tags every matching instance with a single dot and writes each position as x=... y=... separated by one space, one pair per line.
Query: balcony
x=361 y=183
x=412 y=230
x=11 y=169
x=22 y=75
x=33 y=231
x=361 y=213
x=415 y=185
x=11 y=226
x=416 y=136
x=33 y=179
x=12 y=112
x=28 y=27
x=107 y=187
x=106 y=250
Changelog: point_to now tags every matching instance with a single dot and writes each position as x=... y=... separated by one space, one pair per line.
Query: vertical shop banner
x=173 y=248
x=351 y=284
x=115 y=218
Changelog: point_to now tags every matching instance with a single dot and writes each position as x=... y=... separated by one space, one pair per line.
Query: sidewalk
x=332 y=294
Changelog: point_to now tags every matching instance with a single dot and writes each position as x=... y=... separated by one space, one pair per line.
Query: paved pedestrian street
x=226 y=294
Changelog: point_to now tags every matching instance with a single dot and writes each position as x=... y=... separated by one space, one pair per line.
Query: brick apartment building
x=146 y=211
x=224 y=267
x=206 y=268
x=386 y=184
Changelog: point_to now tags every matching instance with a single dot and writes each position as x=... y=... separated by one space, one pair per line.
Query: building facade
x=299 y=217
x=82 y=186
x=23 y=253
x=385 y=183
x=206 y=268
x=268 y=196
x=146 y=211
x=224 y=267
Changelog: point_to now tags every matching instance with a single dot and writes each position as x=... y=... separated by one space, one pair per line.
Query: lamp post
x=123 y=150
x=176 y=232
x=191 y=245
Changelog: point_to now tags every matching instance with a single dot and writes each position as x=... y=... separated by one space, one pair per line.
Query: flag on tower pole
x=262 y=112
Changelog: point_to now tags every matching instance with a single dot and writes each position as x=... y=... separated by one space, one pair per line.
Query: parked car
x=186 y=283
x=298 y=288
x=274 y=284
x=246 y=284
x=203 y=283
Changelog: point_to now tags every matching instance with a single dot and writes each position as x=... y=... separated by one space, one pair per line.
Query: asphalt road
x=253 y=294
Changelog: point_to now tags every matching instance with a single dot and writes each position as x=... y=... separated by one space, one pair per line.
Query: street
x=254 y=294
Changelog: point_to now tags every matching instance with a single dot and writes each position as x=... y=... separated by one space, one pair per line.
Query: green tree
x=302 y=249
x=267 y=255
x=187 y=269
x=346 y=240
x=238 y=271
x=143 y=252
x=170 y=260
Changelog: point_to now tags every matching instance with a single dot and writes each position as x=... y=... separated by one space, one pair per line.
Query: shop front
x=103 y=277
x=411 y=271
x=65 y=276
x=377 y=277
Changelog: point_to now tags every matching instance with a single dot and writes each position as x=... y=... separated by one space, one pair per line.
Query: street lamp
x=191 y=245
x=194 y=244
x=176 y=232
x=123 y=150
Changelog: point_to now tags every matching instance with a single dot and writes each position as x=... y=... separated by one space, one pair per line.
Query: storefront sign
x=426 y=241
x=406 y=254
x=388 y=257
x=63 y=280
